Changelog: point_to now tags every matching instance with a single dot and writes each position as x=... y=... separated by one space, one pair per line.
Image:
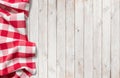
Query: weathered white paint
x=115 y=30
x=79 y=39
x=106 y=17
x=88 y=39
x=97 y=36
x=61 y=39
x=76 y=38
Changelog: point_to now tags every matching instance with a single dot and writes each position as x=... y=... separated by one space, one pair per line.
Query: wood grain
x=43 y=38
x=88 y=39
x=52 y=39
x=70 y=51
x=76 y=38
x=106 y=18
x=97 y=36
x=61 y=45
x=79 y=39
x=115 y=38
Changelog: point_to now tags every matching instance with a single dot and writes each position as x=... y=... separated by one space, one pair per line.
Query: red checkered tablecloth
x=16 y=51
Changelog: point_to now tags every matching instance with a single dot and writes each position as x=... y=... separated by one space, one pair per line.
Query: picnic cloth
x=17 y=53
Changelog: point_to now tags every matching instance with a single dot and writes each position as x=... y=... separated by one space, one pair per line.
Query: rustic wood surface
x=76 y=38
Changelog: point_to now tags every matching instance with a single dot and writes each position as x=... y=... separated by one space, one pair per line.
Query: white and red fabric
x=17 y=53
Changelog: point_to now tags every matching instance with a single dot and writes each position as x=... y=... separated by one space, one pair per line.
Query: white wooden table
x=76 y=38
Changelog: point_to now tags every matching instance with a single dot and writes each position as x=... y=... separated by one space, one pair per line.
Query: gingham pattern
x=16 y=52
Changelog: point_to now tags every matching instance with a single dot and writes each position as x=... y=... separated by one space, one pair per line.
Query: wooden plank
x=106 y=39
x=115 y=15
x=60 y=39
x=88 y=39
x=97 y=11
x=51 y=38
x=70 y=38
x=33 y=26
x=43 y=39
x=79 y=25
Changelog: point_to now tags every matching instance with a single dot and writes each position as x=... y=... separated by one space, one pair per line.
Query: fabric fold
x=17 y=53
